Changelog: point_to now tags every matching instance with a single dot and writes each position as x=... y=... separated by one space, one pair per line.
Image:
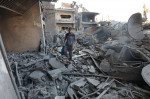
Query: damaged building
x=109 y=61
x=22 y=24
x=65 y=18
x=87 y=20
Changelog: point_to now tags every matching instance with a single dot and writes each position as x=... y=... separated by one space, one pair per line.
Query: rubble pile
x=104 y=66
x=98 y=71
x=48 y=77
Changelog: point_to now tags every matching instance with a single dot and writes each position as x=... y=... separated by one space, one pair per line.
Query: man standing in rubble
x=70 y=43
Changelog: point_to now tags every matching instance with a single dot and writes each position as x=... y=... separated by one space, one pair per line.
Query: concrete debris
x=107 y=64
x=36 y=76
x=91 y=69
x=93 y=81
x=55 y=64
x=78 y=84
x=54 y=74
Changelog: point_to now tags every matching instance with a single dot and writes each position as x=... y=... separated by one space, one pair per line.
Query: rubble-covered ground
x=106 y=64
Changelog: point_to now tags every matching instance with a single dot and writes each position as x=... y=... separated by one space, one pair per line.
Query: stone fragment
x=54 y=74
x=105 y=65
x=79 y=83
x=36 y=76
x=91 y=69
x=55 y=63
x=93 y=81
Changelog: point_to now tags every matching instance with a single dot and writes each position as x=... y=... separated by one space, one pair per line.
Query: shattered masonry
x=110 y=61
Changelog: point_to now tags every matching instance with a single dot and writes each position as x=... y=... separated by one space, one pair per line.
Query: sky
x=119 y=10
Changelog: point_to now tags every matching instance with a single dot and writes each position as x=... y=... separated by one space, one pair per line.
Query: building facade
x=65 y=18
x=87 y=19
x=23 y=24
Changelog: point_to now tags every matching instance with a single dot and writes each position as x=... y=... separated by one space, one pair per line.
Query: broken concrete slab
x=79 y=83
x=55 y=63
x=36 y=76
x=102 y=85
x=54 y=74
x=93 y=81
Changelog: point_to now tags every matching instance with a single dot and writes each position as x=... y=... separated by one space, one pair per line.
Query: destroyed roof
x=19 y=6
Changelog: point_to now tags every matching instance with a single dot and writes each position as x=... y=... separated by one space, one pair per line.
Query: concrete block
x=79 y=83
x=36 y=76
x=54 y=74
x=93 y=81
x=56 y=64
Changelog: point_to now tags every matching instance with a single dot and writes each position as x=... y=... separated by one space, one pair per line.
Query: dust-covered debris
x=104 y=65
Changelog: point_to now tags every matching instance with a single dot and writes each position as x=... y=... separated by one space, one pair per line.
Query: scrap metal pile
x=105 y=62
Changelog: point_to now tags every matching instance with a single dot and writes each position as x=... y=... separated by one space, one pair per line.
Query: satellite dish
x=135 y=28
x=146 y=74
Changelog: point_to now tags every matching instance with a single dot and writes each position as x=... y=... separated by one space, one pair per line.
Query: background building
x=65 y=18
x=87 y=19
